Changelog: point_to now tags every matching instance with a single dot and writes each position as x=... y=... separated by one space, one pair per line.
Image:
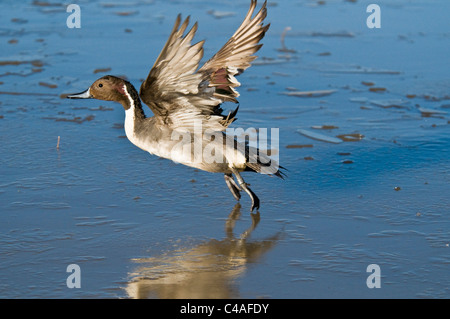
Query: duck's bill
x=83 y=95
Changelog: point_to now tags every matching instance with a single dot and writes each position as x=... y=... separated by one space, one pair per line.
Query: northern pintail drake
x=188 y=125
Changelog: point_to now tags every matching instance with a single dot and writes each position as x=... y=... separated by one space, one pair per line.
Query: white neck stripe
x=129 y=97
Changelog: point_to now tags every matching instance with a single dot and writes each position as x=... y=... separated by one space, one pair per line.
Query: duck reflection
x=208 y=270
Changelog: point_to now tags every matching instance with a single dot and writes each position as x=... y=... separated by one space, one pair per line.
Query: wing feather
x=180 y=93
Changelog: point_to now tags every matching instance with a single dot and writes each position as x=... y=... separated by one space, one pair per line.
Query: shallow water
x=366 y=148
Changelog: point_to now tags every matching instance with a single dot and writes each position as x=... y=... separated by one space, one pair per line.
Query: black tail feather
x=280 y=173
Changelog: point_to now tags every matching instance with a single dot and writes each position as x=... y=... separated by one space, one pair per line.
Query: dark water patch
x=48 y=85
x=95 y=223
x=36 y=63
x=428 y=112
x=23 y=73
x=102 y=70
x=435 y=98
x=377 y=89
x=390 y=103
x=19 y=20
x=46 y=3
x=353 y=137
x=126 y=13
x=41 y=205
x=299 y=146
x=27 y=93
x=101 y=108
x=75 y=119
x=324 y=127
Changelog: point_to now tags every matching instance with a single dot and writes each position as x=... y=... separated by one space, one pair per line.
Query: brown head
x=109 y=88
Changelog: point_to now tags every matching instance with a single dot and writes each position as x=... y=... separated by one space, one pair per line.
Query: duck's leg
x=243 y=184
x=234 y=188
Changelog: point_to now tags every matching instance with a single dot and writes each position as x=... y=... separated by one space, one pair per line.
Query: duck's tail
x=260 y=162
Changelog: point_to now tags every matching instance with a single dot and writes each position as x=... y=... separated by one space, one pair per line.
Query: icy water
x=363 y=116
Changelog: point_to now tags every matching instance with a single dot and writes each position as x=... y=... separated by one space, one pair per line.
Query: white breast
x=174 y=149
x=141 y=142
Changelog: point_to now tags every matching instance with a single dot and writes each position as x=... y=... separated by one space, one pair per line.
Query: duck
x=188 y=125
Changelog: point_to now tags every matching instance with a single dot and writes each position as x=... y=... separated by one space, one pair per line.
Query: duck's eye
x=100 y=85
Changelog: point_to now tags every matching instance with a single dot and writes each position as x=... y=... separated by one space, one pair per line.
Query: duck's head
x=109 y=88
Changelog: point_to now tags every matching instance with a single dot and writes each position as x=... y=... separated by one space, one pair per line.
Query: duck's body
x=187 y=146
x=188 y=126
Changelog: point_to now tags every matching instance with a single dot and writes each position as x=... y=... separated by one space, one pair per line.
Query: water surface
x=367 y=152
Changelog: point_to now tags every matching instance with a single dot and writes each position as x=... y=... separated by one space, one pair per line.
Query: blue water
x=140 y=226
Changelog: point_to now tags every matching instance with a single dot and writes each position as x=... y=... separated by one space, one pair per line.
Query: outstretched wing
x=180 y=94
x=236 y=55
